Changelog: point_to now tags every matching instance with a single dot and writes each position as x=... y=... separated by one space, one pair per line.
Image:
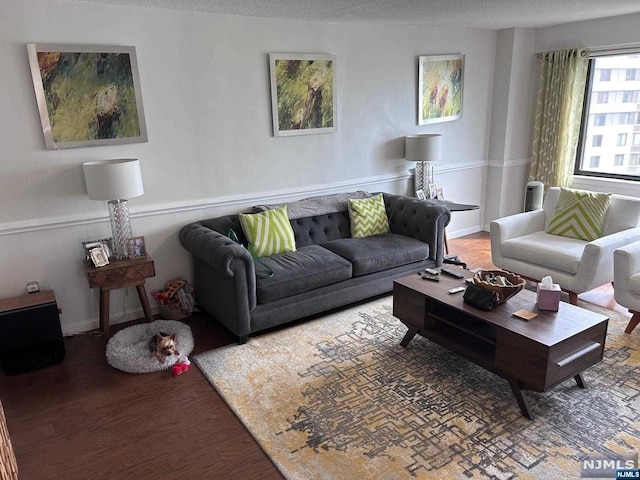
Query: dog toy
x=180 y=367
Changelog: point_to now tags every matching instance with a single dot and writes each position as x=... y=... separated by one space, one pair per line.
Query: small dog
x=163 y=345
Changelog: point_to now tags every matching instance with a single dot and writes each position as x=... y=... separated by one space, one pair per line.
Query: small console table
x=128 y=272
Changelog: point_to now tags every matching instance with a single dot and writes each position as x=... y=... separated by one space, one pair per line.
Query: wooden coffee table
x=532 y=355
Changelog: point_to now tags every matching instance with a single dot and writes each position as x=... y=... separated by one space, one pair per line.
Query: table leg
x=104 y=312
x=409 y=336
x=522 y=400
x=142 y=294
x=579 y=380
x=446 y=242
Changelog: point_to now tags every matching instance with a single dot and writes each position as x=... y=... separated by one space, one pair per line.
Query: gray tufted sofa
x=329 y=269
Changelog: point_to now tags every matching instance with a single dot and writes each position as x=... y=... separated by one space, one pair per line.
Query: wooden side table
x=128 y=272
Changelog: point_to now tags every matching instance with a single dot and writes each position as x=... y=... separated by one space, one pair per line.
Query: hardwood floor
x=82 y=419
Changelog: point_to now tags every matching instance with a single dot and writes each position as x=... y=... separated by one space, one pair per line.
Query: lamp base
x=423 y=177
x=120 y=227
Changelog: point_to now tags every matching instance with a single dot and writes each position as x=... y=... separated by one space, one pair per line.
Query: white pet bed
x=128 y=350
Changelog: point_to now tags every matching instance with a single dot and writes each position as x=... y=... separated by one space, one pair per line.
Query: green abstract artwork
x=303 y=94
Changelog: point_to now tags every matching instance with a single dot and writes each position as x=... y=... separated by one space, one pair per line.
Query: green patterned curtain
x=563 y=75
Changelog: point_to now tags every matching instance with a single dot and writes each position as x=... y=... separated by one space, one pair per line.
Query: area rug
x=128 y=349
x=339 y=398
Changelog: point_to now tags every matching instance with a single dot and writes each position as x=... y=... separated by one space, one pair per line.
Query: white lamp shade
x=423 y=148
x=113 y=179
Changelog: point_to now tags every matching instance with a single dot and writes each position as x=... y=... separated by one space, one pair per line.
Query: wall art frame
x=440 y=88
x=303 y=93
x=87 y=95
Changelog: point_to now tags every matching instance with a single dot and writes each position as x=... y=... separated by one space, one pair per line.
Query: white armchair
x=519 y=244
x=626 y=275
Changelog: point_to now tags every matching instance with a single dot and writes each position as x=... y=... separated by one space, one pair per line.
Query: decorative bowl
x=490 y=280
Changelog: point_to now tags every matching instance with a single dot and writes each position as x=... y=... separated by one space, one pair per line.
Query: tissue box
x=549 y=298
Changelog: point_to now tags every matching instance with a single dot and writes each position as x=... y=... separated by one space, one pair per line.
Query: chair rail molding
x=270 y=196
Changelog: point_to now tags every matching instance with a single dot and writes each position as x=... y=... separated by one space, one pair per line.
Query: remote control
x=452 y=272
x=432 y=271
x=457 y=289
x=428 y=276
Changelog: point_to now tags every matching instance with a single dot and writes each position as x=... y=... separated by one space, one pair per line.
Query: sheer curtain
x=563 y=75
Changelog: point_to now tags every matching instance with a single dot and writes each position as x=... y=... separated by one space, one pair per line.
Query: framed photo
x=433 y=190
x=136 y=247
x=420 y=194
x=440 y=79
x=440 y=195
x=99 y=256
x=87 y=95
x=105 y=243
x=303 y=93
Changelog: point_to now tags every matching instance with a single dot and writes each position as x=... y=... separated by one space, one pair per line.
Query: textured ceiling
x=486 y=14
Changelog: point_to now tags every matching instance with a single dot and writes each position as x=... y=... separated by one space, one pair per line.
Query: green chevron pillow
x=579 y=214
x=268 y=232
x=368 y=216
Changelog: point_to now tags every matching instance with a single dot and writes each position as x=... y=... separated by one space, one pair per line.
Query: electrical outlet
x=33 y=287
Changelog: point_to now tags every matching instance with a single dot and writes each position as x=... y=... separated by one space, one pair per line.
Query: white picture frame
x=87 y=95
x=303 y=93
x=440 y=82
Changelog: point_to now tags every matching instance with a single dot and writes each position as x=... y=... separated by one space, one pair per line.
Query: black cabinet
x=30 y=333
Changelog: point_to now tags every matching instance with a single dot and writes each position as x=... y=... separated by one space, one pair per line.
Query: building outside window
x=610 y=137
x=596 y=141
x=618 y=160
x=622 y=139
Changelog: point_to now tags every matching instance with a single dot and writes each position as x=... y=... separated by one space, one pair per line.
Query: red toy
x=180 y=367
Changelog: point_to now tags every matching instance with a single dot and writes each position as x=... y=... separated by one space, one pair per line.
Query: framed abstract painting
x=87 y=95
x=440 y=80
x=303 y=93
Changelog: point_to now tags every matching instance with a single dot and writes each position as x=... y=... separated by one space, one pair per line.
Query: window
x=614 y=126
x=622 y=139
x=599 y=120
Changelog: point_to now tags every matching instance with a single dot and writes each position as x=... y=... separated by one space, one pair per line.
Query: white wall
x=205 y=87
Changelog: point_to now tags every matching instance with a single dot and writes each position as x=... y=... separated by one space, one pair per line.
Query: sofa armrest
x=419 y=219
x=510 y=227
x=225 y=256
x=626 y=263
x=627 y=260
x=517 y=225
x=596 y=263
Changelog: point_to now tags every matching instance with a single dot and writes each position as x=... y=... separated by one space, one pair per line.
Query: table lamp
x=424 y=148
x=115 y=181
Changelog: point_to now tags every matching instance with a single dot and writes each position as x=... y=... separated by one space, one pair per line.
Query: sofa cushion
x=379 y=252
x=296 y=272
x=552 y=251
x=268 y=232
x=368 y=217
x=579 y=214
